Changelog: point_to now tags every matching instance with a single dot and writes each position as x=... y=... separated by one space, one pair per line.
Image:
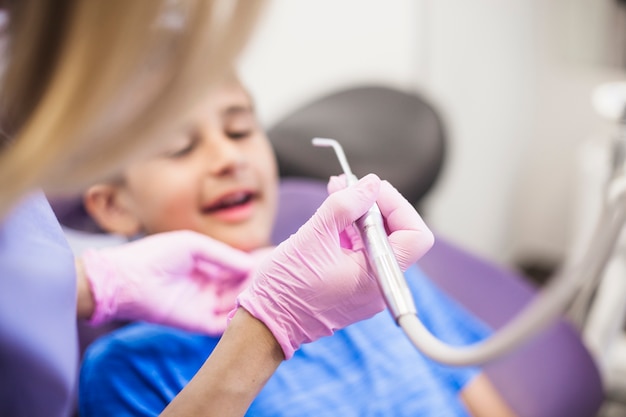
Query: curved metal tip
x=325 y=142
x=341 y=156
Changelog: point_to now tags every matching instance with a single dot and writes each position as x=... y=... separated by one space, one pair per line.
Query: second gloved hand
x=182 y=279
x=311 y=285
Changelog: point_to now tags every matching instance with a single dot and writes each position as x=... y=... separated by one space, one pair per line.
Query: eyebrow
x=238 y=110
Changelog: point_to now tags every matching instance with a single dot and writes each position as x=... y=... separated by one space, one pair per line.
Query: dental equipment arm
x=609 y=101
x=548 y=305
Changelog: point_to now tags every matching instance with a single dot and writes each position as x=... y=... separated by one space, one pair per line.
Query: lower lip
x=235 y=214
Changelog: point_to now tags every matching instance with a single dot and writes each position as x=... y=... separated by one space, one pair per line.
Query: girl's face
x=218 y=178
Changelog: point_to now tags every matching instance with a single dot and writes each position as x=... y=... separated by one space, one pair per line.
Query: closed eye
x=189 y=146
x=239 y=134
x=239 y=122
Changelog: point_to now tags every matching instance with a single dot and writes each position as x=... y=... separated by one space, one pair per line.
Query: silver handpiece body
x=381 y=257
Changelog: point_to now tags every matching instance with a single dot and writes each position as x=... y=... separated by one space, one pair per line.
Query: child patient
x=219 y=177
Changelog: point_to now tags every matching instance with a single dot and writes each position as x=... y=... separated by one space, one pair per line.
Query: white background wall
x=512 y=78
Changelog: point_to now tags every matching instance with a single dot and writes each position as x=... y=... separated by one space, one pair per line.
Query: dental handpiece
x=380 y=254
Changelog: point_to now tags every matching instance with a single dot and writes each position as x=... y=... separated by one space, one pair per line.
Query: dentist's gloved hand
x=399 y=217
x=311 y=285
x=182 y=279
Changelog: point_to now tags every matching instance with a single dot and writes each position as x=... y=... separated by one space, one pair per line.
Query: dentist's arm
x=242 y=362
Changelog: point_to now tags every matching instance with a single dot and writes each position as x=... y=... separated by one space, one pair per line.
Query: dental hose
x=535 y=317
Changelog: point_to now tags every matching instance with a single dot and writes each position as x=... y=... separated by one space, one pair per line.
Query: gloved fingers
x=410 y=246
x=398 y=213
x=350 y=237
x=336 y=183
x=344 y=207
x=409 y=236
x=208 y=253
x=224 y=275
x=198 y=308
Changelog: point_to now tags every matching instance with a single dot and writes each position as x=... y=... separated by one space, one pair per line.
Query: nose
x=225 y=156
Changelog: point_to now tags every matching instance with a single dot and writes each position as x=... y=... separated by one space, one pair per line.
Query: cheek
x=271 y=197
x=267 y=164
x=268 y=171
x=173 y=212
x=271 y=190
x=165 y=205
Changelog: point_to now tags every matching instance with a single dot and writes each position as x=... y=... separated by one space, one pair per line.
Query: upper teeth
x=234 y=199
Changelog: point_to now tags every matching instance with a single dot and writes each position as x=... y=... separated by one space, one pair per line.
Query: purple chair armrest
x=553 y=375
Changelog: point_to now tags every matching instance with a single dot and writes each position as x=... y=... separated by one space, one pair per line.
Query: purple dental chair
x=401 y=137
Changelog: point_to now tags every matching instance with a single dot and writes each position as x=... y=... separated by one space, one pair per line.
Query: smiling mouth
x=230 y=201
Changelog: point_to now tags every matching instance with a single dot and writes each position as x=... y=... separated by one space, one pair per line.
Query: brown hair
x=74 y=102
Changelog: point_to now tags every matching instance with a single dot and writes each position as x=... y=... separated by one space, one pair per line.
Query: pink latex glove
x=311 y=285
x=182 y=279
x=230 y=288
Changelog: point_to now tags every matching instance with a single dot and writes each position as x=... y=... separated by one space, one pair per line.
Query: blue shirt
x=367 y=369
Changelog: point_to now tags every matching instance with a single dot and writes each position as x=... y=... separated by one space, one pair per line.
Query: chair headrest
x=396 y=134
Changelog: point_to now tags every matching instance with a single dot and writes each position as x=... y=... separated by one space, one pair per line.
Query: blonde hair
x=74 y=101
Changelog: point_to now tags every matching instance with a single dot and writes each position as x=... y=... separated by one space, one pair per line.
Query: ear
x=106 y=204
